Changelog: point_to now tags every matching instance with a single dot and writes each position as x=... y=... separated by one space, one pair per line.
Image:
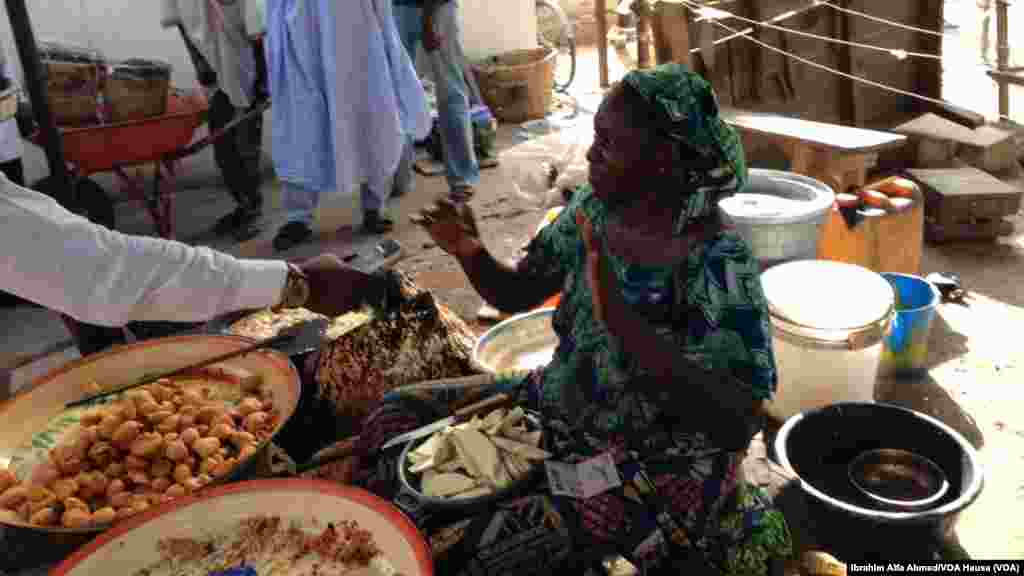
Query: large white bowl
x=27 y=423
x=132 y=545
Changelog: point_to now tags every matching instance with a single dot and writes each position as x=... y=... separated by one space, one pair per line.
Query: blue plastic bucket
x=906 y=346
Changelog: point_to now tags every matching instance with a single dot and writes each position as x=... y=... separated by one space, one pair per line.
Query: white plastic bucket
x=829 y=320
x=780 y=215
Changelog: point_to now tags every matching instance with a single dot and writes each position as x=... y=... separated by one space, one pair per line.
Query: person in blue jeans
x=435 y=23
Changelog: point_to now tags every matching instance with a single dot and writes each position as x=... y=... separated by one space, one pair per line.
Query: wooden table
x=840 y=157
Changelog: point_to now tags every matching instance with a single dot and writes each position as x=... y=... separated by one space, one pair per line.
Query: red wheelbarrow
x=162 y=141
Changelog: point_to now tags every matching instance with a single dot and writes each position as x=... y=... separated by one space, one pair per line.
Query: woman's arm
x=724 y=405
x=509 y=289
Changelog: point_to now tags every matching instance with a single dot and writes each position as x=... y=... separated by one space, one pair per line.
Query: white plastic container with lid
x=780 y=215
x=829 y=320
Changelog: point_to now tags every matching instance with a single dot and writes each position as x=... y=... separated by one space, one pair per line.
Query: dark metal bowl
x=411 y=485
x=818 y=446
x=898 y=479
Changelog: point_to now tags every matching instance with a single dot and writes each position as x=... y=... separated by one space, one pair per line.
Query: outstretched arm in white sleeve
x=64 y=262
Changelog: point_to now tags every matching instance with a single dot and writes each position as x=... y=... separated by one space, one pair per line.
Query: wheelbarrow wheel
x=97 y=204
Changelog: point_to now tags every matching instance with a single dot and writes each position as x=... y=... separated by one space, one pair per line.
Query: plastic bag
x=547 y=169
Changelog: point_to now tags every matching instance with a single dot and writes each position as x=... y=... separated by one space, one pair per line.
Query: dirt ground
x=974 y=385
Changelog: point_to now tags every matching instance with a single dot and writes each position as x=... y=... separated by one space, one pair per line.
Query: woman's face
x=622 y=157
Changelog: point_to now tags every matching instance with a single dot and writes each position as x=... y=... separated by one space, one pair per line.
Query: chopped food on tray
x=269 y=546
x=147 y=446
x=478 y=457
x=268 y=323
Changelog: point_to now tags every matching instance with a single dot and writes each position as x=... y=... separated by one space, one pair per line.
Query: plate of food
x=265 y=528
x=84 y=469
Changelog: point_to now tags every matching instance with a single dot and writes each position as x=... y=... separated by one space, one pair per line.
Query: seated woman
x=664 y=358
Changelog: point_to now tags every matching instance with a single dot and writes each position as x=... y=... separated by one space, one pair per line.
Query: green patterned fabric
x=687 y=109
x=710 y=307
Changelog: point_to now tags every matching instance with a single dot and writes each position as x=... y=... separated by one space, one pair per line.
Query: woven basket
x=138 y=90
x=72 y=88
x=73 y=78
x=518 y=86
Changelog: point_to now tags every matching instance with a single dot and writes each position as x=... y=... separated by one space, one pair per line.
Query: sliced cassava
x=520 y=449
x=478 y=454
x=441 y=451
x=512 y=419
x=447 y=484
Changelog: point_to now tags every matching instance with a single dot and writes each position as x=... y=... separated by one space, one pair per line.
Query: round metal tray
x=519 y=344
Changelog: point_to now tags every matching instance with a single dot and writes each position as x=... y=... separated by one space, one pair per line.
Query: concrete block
x=987 y=148
x=995 y=151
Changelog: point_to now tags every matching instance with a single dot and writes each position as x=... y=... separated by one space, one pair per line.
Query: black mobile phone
x=376 y=256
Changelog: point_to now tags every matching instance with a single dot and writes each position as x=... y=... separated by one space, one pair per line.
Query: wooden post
x=643 y=44
x=753 y=10
x=929 y=80
x=671 y=31
x=847 y=88
x=601 y=15
x=1003 y=54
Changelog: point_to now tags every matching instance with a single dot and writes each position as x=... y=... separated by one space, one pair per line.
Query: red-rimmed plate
x=132 y=545
x=35 y=422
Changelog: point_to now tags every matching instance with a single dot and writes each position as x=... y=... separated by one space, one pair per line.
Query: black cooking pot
x=818 y=446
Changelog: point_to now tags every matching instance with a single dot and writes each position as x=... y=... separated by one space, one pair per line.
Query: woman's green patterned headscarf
x=687 y=112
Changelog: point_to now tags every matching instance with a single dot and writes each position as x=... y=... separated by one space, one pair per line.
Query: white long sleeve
x=95 y=275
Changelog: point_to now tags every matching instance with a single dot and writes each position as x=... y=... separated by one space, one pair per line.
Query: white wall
x=125 y=29
x=121 y=29
x=490 y=27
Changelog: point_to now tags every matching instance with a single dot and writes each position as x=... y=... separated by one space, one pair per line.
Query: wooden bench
x=840 y=157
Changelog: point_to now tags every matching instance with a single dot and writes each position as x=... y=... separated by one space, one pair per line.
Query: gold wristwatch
x=296 y=289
